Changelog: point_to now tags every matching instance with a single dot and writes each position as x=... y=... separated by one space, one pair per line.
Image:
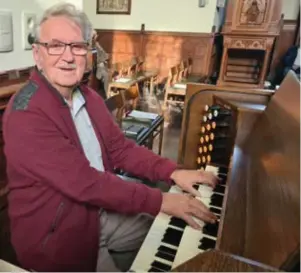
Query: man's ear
x=36 y=55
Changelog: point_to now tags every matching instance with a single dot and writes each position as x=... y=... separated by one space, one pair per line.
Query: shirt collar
x=78 y=101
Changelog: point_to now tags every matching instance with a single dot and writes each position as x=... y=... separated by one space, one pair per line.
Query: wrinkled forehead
x=60 y=28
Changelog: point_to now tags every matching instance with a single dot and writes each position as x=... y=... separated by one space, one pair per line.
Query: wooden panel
x=268 y=164
x=160 y=50
x=260 y=219
x=170 y=48
x=217 y=261
x=14 y=76
x=121 y=45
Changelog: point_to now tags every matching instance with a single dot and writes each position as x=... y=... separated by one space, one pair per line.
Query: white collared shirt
x=86 y=131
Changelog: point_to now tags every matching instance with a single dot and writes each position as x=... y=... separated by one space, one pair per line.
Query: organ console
x=253 y=146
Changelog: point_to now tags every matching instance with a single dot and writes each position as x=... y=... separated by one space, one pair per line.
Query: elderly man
x=68 y=210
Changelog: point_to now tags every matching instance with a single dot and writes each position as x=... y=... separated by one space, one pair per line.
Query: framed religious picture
x=113 y=6
x=253 y=12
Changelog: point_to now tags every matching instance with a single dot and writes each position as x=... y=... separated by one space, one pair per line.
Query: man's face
x=67 y=68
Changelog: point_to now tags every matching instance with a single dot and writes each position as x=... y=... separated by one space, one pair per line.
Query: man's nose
x=67 y=55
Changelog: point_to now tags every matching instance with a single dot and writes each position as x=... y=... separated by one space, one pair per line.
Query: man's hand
x=185 y=179
x=185 y=207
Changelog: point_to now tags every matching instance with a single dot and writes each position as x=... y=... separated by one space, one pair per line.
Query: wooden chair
x=115 y=72
x=189 y=68
x=189 y=76
x=133 y=68
x=174 y=93
x=185 y=70
x=125 y=68
x=117 y=106
x=180 y=72
x=140 y=63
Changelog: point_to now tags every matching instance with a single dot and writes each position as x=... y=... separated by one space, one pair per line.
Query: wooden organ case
x=255 y=138
x=249 y=32
x=260 y=216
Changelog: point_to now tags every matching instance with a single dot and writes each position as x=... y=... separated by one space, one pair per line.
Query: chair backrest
x=125 y=68
x=116 y=105
x=174 y=74
x=168 y=82
x=190 y=63
x=115 y=71
x=140 y=64
x=180 y=67
x=132 y=70
x=185 y=65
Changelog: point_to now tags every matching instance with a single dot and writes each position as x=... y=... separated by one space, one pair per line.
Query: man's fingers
x=194 y=192
x=204 y=215
x=198 y=209
x=209 y=178
x=189 y=220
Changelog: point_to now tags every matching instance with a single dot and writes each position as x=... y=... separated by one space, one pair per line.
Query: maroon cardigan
x=55 y=195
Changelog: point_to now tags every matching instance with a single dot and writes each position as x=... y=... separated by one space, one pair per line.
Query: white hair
x=71 y=12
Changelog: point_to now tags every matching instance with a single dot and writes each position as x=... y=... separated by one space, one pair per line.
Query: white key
x=189 y=242
x=189 y=246
x=153 y=241
x=205 y=200
x=205 y=191
x=213 y=169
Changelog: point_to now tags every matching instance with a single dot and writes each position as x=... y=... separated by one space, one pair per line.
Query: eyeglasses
x=58 y=47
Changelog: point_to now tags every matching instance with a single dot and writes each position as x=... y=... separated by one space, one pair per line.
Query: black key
x=168 y=250
x=172 y=236
x=216 y=200
x=154 y=269
x=216 y=211
x=177 y=222
x=223 y=170
x=206 y=243
x=223 y=180
x=211 y=229
x=221 y=174
x=219 y=188
x=165 y=256
x=161 y=266
x=195 y=186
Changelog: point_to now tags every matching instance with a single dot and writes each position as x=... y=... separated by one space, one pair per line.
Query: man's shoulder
x=22 y=98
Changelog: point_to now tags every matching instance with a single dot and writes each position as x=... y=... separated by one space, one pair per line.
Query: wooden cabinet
x=249 y=31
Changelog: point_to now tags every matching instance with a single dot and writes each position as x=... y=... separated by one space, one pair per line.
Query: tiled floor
x=172 y=124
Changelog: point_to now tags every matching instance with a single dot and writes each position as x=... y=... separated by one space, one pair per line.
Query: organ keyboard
x=258 y=199
x=169 y=241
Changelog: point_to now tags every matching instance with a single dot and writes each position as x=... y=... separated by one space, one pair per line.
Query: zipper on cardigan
x=54 y=224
